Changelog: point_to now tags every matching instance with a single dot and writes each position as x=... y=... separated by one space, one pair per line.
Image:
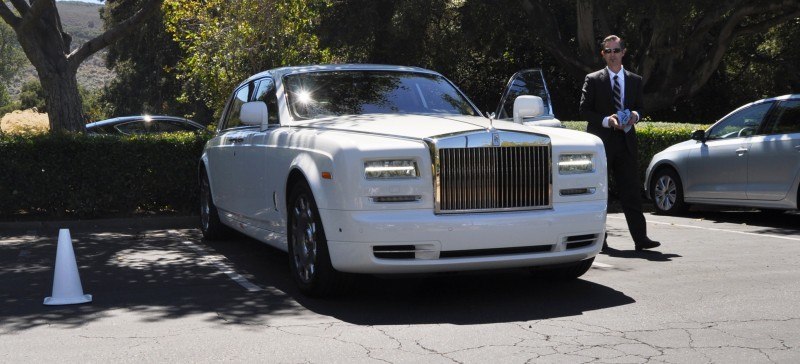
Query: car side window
x=136 y=127
x=787 y=117
x=232 y=119
x=168 y=126
x=266 y=93
x=743 y=123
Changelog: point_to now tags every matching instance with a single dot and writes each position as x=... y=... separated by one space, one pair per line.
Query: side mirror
x=699 y=135
x=254 y=113
x=527 y=106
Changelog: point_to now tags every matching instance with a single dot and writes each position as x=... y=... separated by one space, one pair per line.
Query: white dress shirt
x=621 y=81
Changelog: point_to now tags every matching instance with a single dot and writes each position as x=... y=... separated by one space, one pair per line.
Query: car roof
x=280 y=72
x=776 y=98
x=122 y=119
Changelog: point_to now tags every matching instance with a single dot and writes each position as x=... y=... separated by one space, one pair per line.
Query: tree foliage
x=227 y=41
x=676 y=48
x=11 y=56
x=144 y=63
x=32 y=95
x=689 y=53
x=11 y=59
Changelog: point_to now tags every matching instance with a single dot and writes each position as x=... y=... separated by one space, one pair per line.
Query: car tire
x=568 y=272
x=667 y=192
x=210 y=225
x=309 y=258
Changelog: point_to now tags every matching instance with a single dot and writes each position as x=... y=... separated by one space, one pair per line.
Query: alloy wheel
x=665 y=193
x=304 y=239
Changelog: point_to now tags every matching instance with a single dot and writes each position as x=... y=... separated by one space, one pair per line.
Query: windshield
x=322 y=94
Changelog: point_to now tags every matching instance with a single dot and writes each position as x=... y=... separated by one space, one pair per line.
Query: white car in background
x=389 y=169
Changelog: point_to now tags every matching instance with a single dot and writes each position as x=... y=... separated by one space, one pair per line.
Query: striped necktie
x=617 y=94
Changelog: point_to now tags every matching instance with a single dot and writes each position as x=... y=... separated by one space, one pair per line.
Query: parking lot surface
x=722 y=288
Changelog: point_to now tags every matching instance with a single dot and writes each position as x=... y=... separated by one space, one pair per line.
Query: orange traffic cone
x=67 y=289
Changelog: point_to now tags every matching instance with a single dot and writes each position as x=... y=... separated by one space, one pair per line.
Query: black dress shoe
x=646 y=244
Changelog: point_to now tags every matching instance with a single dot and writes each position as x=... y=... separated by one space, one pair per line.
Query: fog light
x=396 y=198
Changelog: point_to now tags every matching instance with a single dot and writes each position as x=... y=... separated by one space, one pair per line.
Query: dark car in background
x=143 y=124
x=750 y=157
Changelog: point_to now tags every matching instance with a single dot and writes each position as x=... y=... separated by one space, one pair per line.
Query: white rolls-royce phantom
x=389 y=169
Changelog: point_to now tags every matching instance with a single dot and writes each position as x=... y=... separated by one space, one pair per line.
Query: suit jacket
x=597 y=102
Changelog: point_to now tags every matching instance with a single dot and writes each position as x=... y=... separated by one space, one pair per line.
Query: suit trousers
x=623 y=165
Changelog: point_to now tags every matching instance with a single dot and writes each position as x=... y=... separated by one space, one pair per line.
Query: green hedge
x=653 y=137
x=82 y=176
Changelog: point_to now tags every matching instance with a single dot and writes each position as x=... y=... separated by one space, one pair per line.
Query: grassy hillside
x=82 y=21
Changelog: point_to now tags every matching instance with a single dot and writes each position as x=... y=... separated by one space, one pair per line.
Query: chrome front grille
x=485 y=178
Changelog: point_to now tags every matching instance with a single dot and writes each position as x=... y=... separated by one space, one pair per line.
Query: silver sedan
x=750 y=157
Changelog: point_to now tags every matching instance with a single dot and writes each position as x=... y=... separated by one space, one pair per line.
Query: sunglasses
x=609 y=50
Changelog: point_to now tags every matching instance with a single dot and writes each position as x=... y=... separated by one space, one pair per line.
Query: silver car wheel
x=666 y=192
x=304 y=239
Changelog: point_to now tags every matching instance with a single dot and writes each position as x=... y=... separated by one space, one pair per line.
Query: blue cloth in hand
x=624 y=117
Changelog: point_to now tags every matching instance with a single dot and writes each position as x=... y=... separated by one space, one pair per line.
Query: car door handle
x=741 y=151
x=797 y=147
x=235 y=140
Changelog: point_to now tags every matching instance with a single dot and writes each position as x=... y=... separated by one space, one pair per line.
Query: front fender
x=311 y=165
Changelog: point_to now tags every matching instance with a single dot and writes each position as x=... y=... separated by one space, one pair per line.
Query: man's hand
x=613 y=122
x=634 y=117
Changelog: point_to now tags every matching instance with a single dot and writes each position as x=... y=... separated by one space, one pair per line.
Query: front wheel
x=309 y=258
x=667 y=193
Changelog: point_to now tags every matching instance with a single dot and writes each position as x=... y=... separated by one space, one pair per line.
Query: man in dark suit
x=611 y=102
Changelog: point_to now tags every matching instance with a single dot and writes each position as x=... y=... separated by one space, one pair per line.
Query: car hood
x=411 y=126
x=681 y=146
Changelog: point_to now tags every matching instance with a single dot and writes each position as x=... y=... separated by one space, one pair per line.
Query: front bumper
x=462 y=242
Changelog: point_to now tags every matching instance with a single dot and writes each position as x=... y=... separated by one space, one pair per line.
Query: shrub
x=653 y=137
x=83 y=176
x=24 y=122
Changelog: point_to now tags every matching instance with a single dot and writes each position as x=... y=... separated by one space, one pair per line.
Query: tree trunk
x=49 y=48
x=587 y=45
x=64 y=104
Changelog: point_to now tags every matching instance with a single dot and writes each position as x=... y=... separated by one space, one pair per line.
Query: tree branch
x=35 y=12
x=554 y=44
x=730 y=31
x=22 y=6
x=766 y=24
x=109 y=36
x=9 y=15
x=712 y=18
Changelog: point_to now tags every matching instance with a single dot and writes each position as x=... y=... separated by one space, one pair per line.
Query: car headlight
x=575 y=163
x=391 y=168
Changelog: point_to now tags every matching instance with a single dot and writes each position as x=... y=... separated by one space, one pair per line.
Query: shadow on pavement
x=651 y=255
x=466 y=299
x=770 y=222
x=159 y=276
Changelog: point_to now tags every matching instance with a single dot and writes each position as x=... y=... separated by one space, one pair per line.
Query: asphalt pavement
x=722 y=288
